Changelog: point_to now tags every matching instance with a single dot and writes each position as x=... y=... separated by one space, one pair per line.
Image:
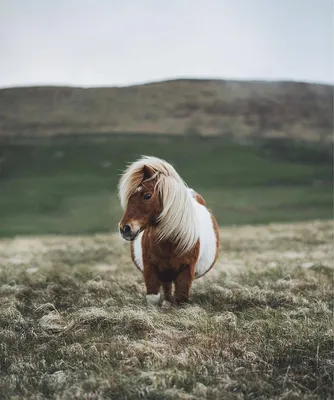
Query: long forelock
x=133 y=176
x=177 y=222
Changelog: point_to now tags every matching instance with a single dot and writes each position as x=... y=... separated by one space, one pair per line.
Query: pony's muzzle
x=126 y=229
x=127 y=233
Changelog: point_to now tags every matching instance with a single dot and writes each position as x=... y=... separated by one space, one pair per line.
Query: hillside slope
x=210 y=107
x=66 y=186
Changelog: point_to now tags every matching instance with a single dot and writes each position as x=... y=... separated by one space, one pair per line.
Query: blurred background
x=237 y=94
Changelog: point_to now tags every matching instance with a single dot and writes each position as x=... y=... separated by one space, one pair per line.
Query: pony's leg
x=153 y=285
x=183 y=284
x=168 y=298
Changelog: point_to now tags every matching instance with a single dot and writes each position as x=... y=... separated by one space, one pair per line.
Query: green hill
x=66 y=185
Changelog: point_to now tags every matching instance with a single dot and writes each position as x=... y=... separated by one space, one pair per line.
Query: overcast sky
x=109 y=42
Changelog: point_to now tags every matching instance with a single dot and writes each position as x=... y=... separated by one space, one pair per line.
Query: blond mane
x=178 y=221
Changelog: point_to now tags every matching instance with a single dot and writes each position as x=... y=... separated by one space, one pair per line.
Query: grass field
x=74 y=323
x=66 y=185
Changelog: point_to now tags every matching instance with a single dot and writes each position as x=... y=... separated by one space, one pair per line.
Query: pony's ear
x=148 y=172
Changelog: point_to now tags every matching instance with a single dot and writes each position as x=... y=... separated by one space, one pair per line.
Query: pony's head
x=153 y=194
x=142 y=204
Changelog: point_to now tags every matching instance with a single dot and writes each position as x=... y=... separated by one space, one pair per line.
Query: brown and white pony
x=174 y=236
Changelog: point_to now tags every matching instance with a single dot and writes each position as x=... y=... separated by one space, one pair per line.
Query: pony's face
x=143 y=209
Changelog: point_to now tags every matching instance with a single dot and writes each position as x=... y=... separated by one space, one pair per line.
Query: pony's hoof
x=153 y=299
x=183 y=302
x=166 y=304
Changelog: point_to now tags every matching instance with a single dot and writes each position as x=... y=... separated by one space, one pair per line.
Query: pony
x=174 y=237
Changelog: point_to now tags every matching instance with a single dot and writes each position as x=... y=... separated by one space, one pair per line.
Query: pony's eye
x=147 y=196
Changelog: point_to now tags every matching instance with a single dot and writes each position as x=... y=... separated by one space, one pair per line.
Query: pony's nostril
x=126 y=229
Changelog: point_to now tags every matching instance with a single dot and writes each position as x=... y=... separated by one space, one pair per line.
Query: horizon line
x=166 y=80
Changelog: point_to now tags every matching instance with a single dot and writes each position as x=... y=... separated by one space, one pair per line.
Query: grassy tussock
x=74 y=323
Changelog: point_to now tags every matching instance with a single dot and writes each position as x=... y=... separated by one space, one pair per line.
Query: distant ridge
x=190 y=106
